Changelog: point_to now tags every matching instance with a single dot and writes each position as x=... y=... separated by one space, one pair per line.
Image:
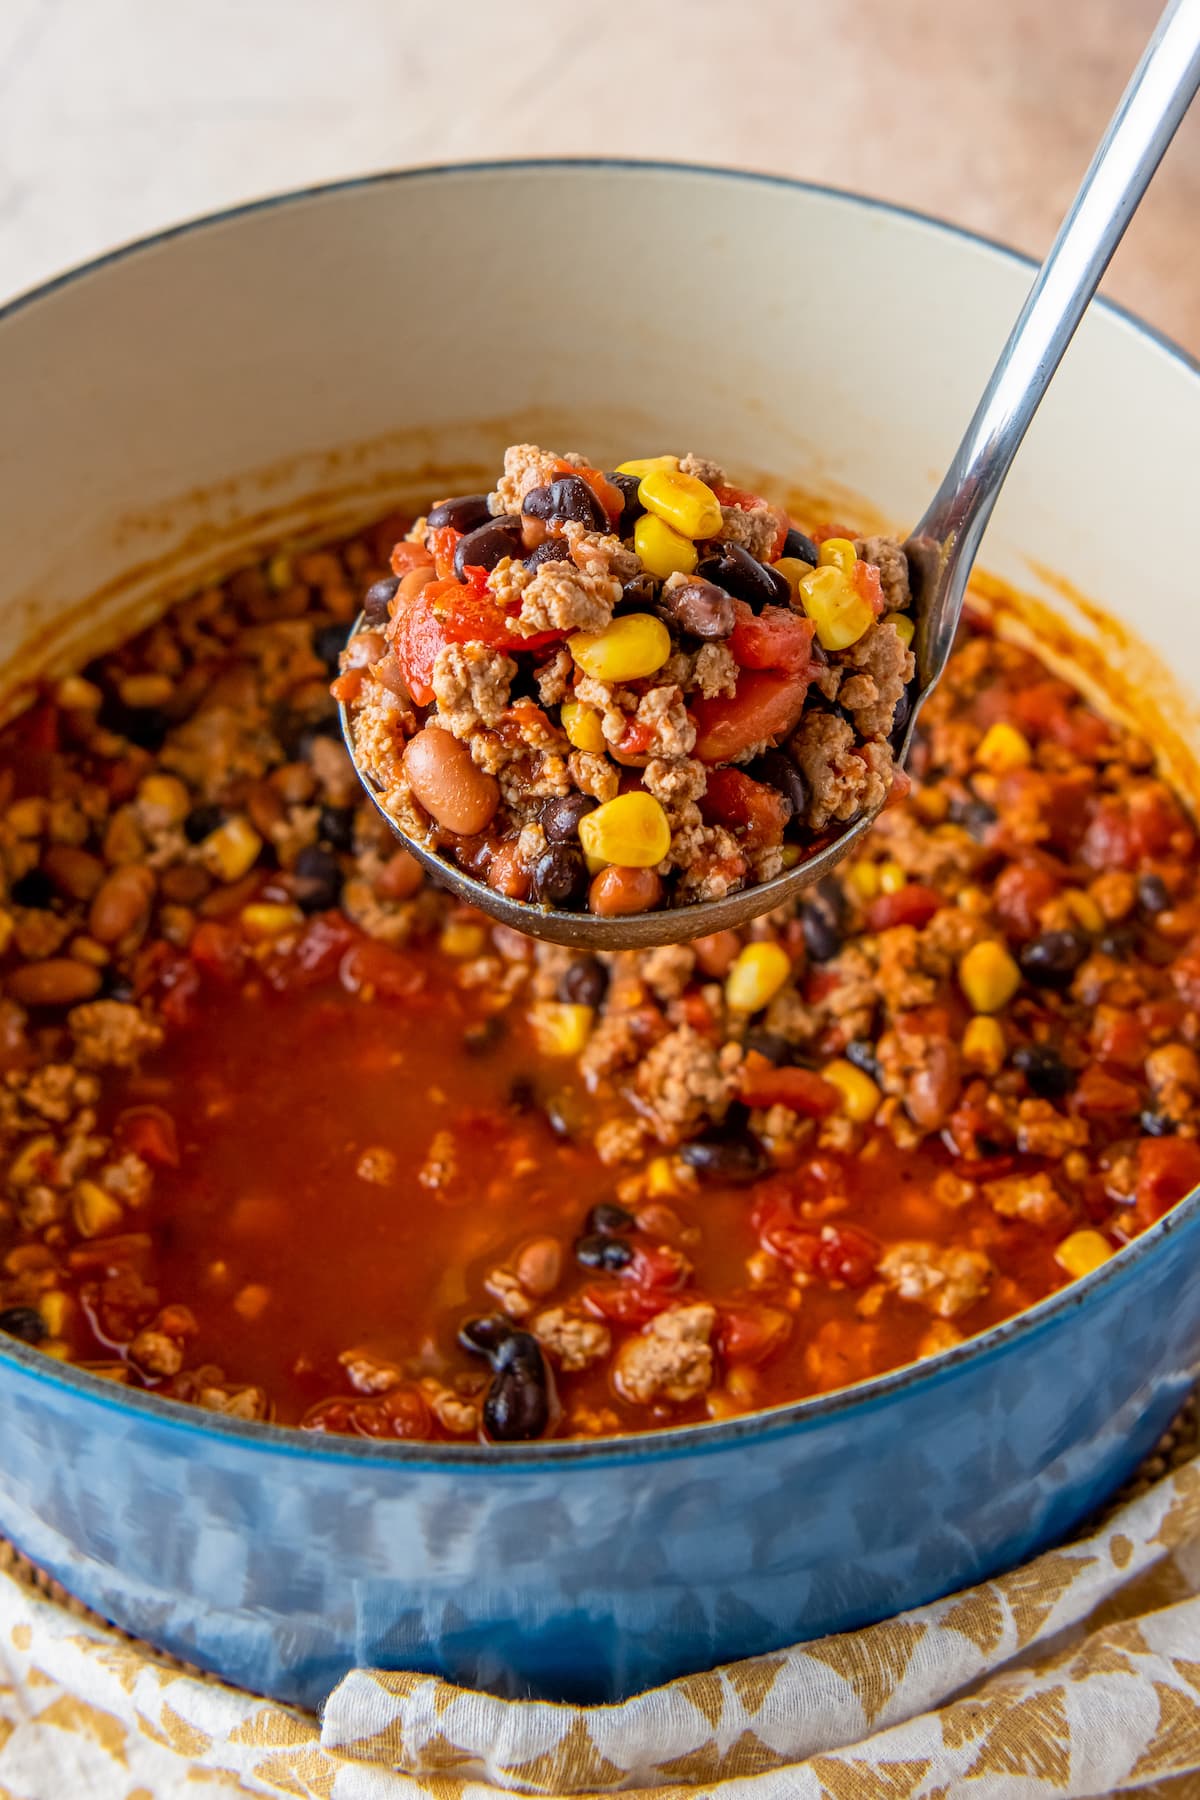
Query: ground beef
x=841 y=782
x=664 y=715
x=525 y=468
x=703 y=468
x=599 y=554
x=471 y=685
x=890 y=560
x=554 y=678
x=109 y=1034
x=571 y=1342
x=884 y=666
x=667 y=969
x=677 y=784
x=680 y=1083
x=555 y=596
x=1033 y=1198
x=945 y=1278
x=714 y=671
x=754 y=528
x=594 y=775
x=1041 y=1131
x=670 y=1359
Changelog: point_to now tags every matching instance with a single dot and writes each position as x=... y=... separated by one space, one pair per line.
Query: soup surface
x=290 y=1134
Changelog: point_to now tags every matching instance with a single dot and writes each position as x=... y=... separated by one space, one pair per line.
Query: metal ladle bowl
x=941 y=550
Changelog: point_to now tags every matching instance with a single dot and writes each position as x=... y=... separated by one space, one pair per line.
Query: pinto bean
x=400 y=877
x=58 y=981
x=616 y=891
x=458 y=796
x=122 y=903
x=538 y=1266
x=508 y=874
x=699 y=608
x=75 y=873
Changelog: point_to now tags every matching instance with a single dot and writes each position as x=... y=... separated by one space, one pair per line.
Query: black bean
x=316 y=879
x=797 y=545
x=485 y=1335
x=517 y=1406
x=1052 y=959
x=776 y=1049
x=584 y=982
x=861 y=1052
x=202 y=821
x=1045 y=1072
x=376 y=599
x=569 y=497
x=116 y=986
x=823 y=918
x=900 y=716
x=560 y=876
x=743 y=576
x=609 y=1219
x=560 y=817
x=633 y=508
x=335 y=827
x=1156 y=1124
x=778 y=770
x=465 y=513
x=24 y=1322
x=727 y=1155
x=552 y=549
x=1120 y=942
x=975 y=816
x=699 y=608
x=598 y=1251
x=522 y=1095
x=145 y=726
x=564 y=1114
x=484 y=1036
x=329 y=641
x=640 y=593
x=34 y=889
x=489 y=544
x=1153 y=896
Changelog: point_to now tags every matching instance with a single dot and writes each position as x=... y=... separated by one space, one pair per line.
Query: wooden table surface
x=120 y=116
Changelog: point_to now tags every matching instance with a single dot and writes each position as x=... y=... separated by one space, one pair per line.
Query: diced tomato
x=1118 y=1037
x=764 y=709
x=748 y=502
x=417 y=636
x=447 y=612
x=607 y=492
x=1168 y=1168
x=1185 y=973
x=657 y=1266
x=388 y=973
x=219 y=950
x=751 y=1334
x=869 y=585
x=756 y=813
x=406 y=557
x=443 y=542
x=178 y=980
x=635 y=740
x=914 y=904
x=847 y=1255
x=401 y=1413
x=1100 y=1094
x=149 y=1131
x=316 y=953
x=1126 y=830
x=901 y=788
x=761 y=1083
x=775 y=638
x=1019 y=896
x=624 y=1304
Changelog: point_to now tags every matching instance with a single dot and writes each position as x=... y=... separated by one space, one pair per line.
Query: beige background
x=120 y=116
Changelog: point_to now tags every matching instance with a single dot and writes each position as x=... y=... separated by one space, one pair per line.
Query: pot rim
x=672 y=1441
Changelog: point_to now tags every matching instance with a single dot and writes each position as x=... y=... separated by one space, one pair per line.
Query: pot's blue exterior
x=589 y=1571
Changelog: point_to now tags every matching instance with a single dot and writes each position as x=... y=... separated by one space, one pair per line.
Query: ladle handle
x=1158 y=95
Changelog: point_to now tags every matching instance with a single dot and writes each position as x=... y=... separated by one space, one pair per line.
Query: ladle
x=942 y=548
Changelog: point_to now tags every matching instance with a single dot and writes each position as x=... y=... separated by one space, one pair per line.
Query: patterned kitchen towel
x=1077 y=1675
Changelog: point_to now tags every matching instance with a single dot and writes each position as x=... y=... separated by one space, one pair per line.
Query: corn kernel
x=892 y=878
x=1003 y=748
x=742 y=1383
x=662 y=1183
x=791 y=855
x=31 y=1162
x=663 y=551
x=93 y=1210
x=55 y=1347
x=7 y=926
x=232 y=850
x=983 y=1045
x=54 y=1308
x=972 y=899
x=145 y=690
x=87 y=950
x=631 y=830
x=860 y=1095
x=164 y=800
x=862 y=878
x=988 y=976
x=793 y=570
x=835 y=606
x=904 y=627
x=932 y=804
x=758 y=973
x=1082 y=1252
x=721 y=1405
x=279 y=573
x=463 y=939
x=685 y=503
x=265 y=919
x=837 y=553
x=26 y=818
x=1084 y=910
x=629 y=648
x=559 y=1028
x=74 y=694
x=641 y=466
x=583 y=726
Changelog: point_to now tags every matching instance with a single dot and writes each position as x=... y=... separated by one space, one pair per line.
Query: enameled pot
x=173 y=406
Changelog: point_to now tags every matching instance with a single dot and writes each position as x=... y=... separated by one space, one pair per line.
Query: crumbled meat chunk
x=110 y=1034
x=1173 y=1071
x=1041 y=1131
x=662 y=714
x=156 y=1353
x=755 y=528
x=594 y=775
x=619 y=1141
x=505 y=1289
x=600 y=555
x=890 y=560
x=670 y=1359
x=376 y=1165
x=946 y=1278
x=573 y=1343
x=841 y=782
x=714 y=671
x=676 y=783
x=555 y=596
x=471 y=684
x=680 y=1082
x=526 y=467
x=703 y=468
x=1033 y=1198
x=667 y=969
x=883 y=666
x=554 y=678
